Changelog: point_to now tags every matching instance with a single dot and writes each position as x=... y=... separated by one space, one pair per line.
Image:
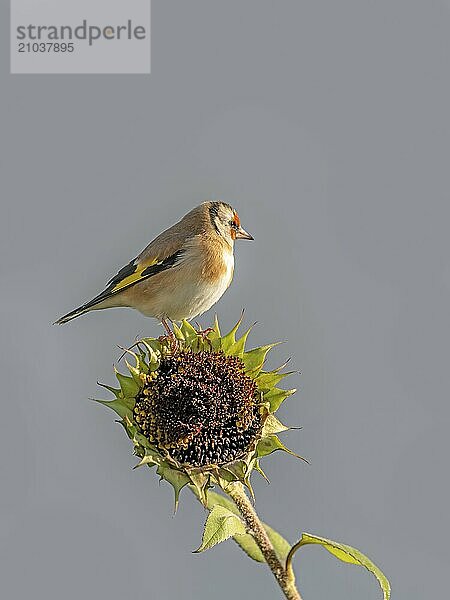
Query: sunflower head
x=200 y=408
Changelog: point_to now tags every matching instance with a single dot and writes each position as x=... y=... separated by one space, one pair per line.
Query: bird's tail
x=73 y=314
x=84 y=308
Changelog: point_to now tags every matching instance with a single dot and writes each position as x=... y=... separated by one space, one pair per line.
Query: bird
x=182 y=273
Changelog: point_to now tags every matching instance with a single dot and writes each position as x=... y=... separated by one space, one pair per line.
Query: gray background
x=327 y=124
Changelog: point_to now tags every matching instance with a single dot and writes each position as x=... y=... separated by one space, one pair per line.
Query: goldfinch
x=181 y=273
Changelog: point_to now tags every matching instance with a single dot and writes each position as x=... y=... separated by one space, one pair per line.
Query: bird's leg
x=167 y=327
x=173 y=342
x=203 y=332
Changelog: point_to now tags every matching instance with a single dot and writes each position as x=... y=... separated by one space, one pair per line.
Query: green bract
x=200 y=408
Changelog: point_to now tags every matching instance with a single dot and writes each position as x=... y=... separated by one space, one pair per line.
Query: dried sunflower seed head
x=200 y=408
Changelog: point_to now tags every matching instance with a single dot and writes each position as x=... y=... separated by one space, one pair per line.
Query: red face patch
x=235 y=225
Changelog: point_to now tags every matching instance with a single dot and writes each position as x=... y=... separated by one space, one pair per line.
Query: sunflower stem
x=285 y=580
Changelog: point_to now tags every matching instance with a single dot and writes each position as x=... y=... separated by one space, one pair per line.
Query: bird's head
x=226 y=222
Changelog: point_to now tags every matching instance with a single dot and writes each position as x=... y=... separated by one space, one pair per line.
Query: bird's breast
x=228 y=261
x=218 y=264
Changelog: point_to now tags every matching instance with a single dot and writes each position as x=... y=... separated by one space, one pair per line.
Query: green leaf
x=216 y=325
x=238 y=469
x=267 y=381
x=214 y=498
x=273 y=425
x=248 y=544
x=122 y=406
x=200 y=483
x=276 y=396
x=135 y=372
x=148 y=459
x=140 y=440
x=127 y=384
x=250 y=547
x=113 y=390
x=177 y=480
x=346 y=554
x=189 y=333
x=254 y=359
x=213 y=337
x=237 y=349
x=220 y=525
x=230 y=338
x=153 y=351
x=178 y=333
x=143 y=361
x=246 y=541
x=152 y=343
x=260 y=471
x=269 y=444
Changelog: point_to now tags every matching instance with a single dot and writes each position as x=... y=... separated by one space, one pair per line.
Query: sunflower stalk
x=285 y=579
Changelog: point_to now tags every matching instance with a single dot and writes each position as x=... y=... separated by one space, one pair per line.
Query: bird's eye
x=233 y=224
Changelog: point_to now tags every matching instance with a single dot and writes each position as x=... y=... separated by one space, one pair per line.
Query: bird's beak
x=241 y=234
